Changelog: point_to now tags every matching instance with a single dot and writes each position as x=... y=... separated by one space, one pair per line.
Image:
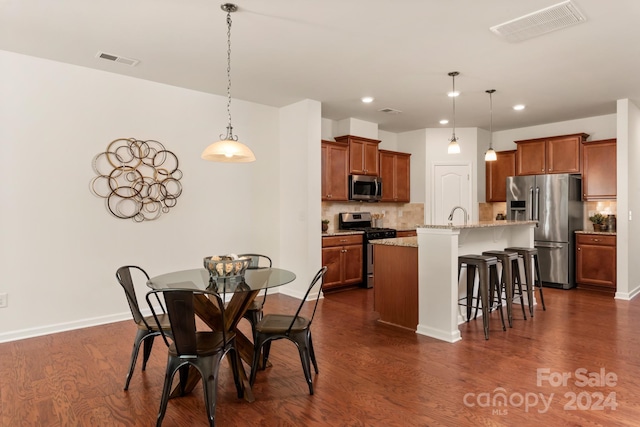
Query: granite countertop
x=411 y=242
x=606 y=233
x=334 y=232
x=480 y=224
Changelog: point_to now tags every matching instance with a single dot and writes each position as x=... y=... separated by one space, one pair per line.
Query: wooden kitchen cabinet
x=363 y=155
x=599 y=170
x=335 y=172
x=497 y=173
x=557 y=154
x=343 y=257
x=396 y=176
x=596 y=261
x=406 y=233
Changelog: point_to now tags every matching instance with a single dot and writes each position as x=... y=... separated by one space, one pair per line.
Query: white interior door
x=452 y=187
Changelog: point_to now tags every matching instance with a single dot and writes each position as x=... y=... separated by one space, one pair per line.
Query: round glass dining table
x=198 y=278
x=242 y=290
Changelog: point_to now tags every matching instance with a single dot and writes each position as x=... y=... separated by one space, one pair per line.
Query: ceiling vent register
x=115 y=58
x=552 y=18
x=388 y=110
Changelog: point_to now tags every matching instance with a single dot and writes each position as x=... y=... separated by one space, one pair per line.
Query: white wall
x=300 y=193
x=415 y=142
x=61 y=248
x=628 y=201
x=388 y=140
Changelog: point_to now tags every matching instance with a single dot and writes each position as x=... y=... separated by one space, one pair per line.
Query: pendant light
x=453 y=147
x=490 y=155
x=228 y=149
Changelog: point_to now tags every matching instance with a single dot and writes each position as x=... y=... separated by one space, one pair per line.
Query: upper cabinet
x=335 y=171
x=599 y=170
x=558 y=154
x=497 y=173
x=363 y=155
x=395 y=173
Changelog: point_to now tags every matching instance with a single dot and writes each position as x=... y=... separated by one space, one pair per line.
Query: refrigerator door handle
x=537 y=206
x=530 y=203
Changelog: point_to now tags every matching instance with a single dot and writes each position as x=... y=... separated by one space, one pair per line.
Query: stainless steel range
x=362 y=221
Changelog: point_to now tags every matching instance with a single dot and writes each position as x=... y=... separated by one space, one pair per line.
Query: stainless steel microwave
x=363 y=187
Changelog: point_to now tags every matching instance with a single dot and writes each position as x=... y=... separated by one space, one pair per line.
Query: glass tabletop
x=198 y=278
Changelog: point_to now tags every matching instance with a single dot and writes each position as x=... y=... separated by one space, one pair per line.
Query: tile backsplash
x=406 y=215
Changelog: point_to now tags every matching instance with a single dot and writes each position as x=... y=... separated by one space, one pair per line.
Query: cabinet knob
x=596 y=240
x=579 y=249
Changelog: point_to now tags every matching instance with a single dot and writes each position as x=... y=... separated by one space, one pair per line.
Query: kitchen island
x=438 y=249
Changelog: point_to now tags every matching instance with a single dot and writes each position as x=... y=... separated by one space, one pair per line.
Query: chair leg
x=312 y=353
x=257 y=346
x=147 y=346
x=496 y=287
x=210 y=385
x=484 y=296
x=140 y=335
x=528 y=274
x=539 y=281
x=233 y=356
x=517 y=282
x=172 y=366
x=303 y=349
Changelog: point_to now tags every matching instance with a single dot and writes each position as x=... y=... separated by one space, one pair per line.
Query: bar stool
x=506 y=280
x=531 y=266
x=483 y=264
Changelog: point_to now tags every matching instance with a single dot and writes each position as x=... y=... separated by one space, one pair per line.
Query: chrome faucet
x=463 y=210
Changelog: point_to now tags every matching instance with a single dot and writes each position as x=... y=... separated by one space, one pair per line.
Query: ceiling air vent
x=120 y=59
x=552 y=18
x=390 y=111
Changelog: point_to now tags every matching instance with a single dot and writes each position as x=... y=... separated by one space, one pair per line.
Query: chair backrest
x=258 y=261
x=180 y=305
x=124 y=276
x=317 y=279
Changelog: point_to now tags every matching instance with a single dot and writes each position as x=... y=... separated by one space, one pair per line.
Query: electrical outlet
x=3 y=300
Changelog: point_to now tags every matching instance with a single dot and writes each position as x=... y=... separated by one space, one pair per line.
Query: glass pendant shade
x=490 y=155
x=453 y=147
x=228 y=150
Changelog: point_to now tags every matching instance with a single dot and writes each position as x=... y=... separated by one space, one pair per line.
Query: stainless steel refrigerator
x=555 y=201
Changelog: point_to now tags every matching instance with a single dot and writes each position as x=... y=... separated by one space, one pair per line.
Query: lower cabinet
x=343 y=257
x=596 y=261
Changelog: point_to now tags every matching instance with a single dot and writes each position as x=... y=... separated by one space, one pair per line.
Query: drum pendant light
x=490 y=155
x=453 y=147
x=228 y=149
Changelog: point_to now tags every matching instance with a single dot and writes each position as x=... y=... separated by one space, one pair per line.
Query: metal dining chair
x=191 y=347
x=148 y=327
x=294 y=328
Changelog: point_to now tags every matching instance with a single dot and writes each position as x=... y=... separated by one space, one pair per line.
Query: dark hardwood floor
x=370 y=374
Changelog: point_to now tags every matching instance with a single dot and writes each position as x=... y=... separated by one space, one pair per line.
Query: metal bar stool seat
x=506 y=280
x=483 y=264
x=531 y=267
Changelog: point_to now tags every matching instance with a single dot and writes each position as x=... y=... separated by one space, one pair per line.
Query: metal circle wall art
x=139 y=179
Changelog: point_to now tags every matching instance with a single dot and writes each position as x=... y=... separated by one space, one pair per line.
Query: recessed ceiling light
x=518 y=107
x=452 y=94
x=444 y=121
x=367 y=99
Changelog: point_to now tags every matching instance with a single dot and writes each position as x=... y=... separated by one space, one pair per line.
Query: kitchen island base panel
x=438 y=285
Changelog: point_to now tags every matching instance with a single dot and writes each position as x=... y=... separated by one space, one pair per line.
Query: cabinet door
x=596 y=265
x=563 y=154
x=531 y=158
x=497 y=173
x=388 y=175
x=356 y=157
x=371 y=166
x=352 y=264
x=599 y=170
x=403 y=178
x=331 y=258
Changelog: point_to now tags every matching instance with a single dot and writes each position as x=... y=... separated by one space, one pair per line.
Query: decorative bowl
x=226 y=267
